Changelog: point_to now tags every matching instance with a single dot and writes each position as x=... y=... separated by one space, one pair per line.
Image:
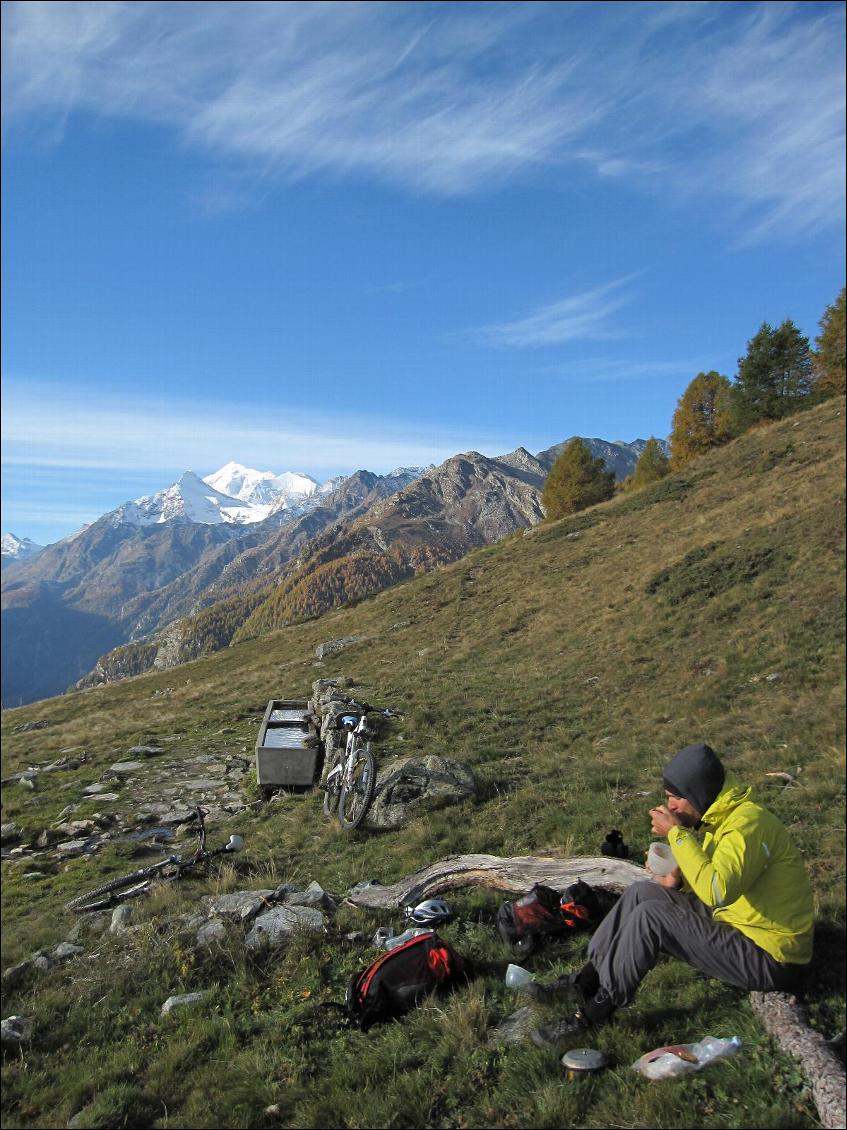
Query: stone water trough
x=287 y=748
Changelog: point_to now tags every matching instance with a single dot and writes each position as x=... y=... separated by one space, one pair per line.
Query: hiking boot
x=596 y=1010
x=579 y=986
x=551 y=1034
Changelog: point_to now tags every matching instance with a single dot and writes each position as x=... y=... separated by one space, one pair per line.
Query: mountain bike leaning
x=351 y=780
x=139 y=882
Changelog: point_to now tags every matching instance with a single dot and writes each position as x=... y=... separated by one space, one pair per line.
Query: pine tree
x=702 y=419
x=652 y=465
x=577 y=479
x=774 y=376
x=829 y=360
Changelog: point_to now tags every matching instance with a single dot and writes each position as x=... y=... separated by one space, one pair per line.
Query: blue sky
x=318 y=237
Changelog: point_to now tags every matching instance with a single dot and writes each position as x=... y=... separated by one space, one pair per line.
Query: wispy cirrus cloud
x=602 y=370
x=58 y=427
x=586 y=316
x=742 y=102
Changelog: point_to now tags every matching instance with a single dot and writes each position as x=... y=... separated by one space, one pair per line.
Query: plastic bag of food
x=677 y=1059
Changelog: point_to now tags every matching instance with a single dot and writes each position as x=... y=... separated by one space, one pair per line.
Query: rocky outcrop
x=408 y=786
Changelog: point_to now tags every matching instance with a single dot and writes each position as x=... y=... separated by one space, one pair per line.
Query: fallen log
x=514 y=874
x=785 y=1021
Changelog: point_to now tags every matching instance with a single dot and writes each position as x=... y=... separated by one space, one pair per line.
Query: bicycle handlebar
x=366 y=708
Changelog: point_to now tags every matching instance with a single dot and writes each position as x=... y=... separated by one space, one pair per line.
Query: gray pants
x=650 y=919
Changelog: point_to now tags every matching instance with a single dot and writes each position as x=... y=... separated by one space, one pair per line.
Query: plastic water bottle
x=518 y=978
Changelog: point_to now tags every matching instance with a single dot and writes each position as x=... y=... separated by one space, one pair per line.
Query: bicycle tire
x=356 y=798
x=332 y=793
x=143 y=875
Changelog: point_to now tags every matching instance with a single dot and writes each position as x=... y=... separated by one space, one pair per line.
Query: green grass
x=565 y=667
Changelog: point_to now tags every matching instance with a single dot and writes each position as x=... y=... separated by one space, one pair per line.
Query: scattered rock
x=314 y=895
x=72 y=847
x=183 y=1000
x=515 y=1028
x=121 y=918
x=213 y=931
x=76 y=827
x=406 y=786
x=88 y=926
x=27 y=726
x=16 y=1030
x=330 y=647
x=243 y=905
x=66 y=950
x=33 y=875
x=325 y=687
x=146 y=750
x=9 y=833
x=16 y=973
x=97 y=789
x=276 y=926
x=122 y=769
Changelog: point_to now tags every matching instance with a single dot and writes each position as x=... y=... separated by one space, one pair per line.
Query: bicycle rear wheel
x=357 y=796
x=332 y=792
x=105 y=894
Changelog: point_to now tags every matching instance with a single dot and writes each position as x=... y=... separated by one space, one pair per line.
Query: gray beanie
x=696 y=775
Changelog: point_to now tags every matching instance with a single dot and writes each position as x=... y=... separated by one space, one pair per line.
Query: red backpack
x=397 y=980
x=544 y=911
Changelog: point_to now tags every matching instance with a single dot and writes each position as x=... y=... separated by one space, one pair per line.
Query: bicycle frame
x=341 y=774
x=140 y=881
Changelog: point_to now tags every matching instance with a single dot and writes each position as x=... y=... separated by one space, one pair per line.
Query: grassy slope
x=565 y=666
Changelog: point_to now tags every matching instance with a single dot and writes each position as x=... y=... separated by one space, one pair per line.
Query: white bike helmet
x=429 y=913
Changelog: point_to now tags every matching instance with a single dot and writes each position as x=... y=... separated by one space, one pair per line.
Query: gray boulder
x=407 y=786
x=276 y=926
x=66 y=950
x=242 y=905
x=15 y=1030
x=121 y=917
x=330 y=647
x=213 y=931
x=314 y=895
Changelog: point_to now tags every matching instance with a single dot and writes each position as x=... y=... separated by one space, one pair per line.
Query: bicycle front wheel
x=357 y=796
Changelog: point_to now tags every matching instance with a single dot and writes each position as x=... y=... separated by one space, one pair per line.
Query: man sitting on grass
x=738 y=907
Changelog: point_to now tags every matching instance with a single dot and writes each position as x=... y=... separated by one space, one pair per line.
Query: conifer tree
x=774 y=376
x=577 y=479
x=829 y=360
x=652 y=465
x=702 y=419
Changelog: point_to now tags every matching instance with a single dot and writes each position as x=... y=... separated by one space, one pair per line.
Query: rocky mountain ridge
x=129 y=581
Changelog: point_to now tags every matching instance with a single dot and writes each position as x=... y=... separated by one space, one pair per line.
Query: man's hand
x=663 y=820
x=673 y=880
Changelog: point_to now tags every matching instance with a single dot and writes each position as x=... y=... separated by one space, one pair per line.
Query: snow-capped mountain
x=189 y=499
x=19 y=549
x=234 y=494
x=262 y=488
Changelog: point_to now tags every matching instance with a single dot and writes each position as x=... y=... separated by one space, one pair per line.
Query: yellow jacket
x=750 y=873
